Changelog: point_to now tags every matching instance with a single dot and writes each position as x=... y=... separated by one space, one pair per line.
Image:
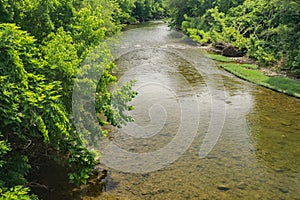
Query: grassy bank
x=251 y=72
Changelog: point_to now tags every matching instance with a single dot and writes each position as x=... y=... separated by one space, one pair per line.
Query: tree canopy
x=267 y=31
x=43 y=45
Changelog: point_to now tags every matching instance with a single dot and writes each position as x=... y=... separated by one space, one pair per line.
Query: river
x=199 y=132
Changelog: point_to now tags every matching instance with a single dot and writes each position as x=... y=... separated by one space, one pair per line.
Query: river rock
x=242 y=186
x=223 y=187
x=231 y=51
x=211 y=156
x=220 y=46
x=283 y=190
x=285 y=123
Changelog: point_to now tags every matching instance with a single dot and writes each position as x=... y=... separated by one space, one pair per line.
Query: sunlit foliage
x=268 y=31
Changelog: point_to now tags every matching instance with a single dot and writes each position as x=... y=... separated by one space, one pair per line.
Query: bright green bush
x=42 y=46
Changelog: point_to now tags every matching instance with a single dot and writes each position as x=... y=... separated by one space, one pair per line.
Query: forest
x=268 y=31
x=43 y=45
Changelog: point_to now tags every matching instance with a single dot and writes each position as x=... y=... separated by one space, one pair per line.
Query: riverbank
x=249 y=71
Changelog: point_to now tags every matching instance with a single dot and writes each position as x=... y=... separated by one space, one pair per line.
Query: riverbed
x=199 y=132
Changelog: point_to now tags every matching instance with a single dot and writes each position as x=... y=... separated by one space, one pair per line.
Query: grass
x=249 y=72
x=219 y=58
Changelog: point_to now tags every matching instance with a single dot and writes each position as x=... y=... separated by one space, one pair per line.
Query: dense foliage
x=43 y=45
x=268 y=31
x=142 y=10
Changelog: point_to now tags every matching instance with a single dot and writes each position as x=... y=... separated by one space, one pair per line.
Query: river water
x=199 y=132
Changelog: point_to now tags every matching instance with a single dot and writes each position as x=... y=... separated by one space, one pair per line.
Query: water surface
x=181 y=92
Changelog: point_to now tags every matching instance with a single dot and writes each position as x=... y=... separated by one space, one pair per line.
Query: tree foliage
x=31 y=112
x=43 y=45
x=265 y=30
x=142 y=10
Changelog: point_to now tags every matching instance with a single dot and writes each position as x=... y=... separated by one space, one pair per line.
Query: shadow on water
x=50 y=182
x=55 y=177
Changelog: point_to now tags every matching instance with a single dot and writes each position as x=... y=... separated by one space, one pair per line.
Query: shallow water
x=199 y=132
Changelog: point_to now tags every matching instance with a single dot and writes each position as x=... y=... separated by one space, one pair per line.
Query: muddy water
x=199 y=132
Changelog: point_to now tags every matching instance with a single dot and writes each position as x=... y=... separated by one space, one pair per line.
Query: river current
x=199 y=132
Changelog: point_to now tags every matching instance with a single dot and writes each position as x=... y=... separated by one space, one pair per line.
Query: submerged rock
x=242 y=186
x=223 y=187
x=283 y=190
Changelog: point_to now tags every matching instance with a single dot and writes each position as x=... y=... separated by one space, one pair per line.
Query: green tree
x=42 y=50
x=143 y=9
x=30 y=109
x=265 y=30
x=62 y=62
x=126 y=13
